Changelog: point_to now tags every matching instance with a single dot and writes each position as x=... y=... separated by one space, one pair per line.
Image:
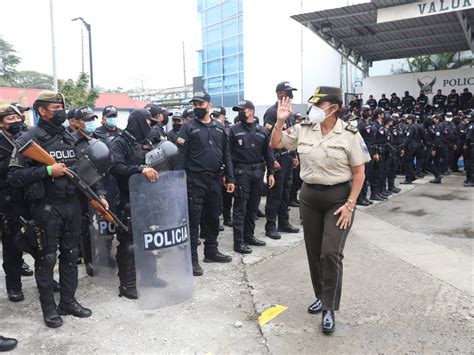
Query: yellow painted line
x=270 y=313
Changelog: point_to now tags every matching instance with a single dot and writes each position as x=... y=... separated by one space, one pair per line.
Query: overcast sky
x=134 y=43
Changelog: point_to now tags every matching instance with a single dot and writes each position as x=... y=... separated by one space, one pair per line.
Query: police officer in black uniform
x=413 y=149
x=176 y=126
x=371 y=102
x=12 y=204
x=355 y=103
x=380 y=157
x=160 y=118
x=438 y=150
x=449 y=137
x=278 y=197
x=397 y=143
x=384 y=103
x=408 y=103
x=466 y=99
x=395 y=101
x=367 y=131
x=453 y=101
x=439 y=102
x=128 y=152
x=55 y=207
x=422 y=101
x=469 y=151
x=250 y=149
x=108 y=130
x=205 y=155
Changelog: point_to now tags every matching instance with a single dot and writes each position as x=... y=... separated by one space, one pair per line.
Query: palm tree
x=444 y=61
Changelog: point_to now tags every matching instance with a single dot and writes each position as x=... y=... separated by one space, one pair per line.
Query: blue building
x=222 y=57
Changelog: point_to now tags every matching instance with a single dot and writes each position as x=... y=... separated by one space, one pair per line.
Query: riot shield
x=104 y=243
x=159 y=213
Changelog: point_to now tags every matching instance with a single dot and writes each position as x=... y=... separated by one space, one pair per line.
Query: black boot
x=254 y=241
x=128 y=292
x=51 y=316
x=15 y=295
x=242 y=248
x=436 y=180
x=288 y=228
x=228 y=222
x=260 y=213
x=361 y=202
x=197 y=269
x=73 y=308
x=217 y=257
x=7 y=344
x=89 y=269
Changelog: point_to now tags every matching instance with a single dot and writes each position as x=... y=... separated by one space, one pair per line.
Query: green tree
x=8 y=61
x=33 y=79
x=443 y=61
x=421 y=63
x=77 y=93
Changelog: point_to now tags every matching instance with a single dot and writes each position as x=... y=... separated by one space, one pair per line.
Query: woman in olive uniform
x=332 y=155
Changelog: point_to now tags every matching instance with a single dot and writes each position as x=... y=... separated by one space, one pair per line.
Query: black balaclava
x=137 y=124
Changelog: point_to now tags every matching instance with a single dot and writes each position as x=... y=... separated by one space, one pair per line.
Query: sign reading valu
x=421 y=9
x=165 y=238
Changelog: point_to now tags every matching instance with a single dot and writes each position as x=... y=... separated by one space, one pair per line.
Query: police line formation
x=52 y=173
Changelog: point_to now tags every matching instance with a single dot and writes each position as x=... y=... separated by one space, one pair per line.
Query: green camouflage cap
x=51 y=96
x=7 y=110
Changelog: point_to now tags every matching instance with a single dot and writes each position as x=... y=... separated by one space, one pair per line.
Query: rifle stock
x=34 y=152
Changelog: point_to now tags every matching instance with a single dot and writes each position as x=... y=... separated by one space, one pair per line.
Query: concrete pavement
x=407 y=288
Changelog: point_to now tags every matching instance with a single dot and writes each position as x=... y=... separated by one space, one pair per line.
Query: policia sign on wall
x=166 y=238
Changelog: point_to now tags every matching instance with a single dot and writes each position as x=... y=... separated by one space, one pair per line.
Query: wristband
x=49 y=170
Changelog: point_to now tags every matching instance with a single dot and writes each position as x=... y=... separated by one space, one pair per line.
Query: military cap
x=51 y=96
x=70 y=113
x=378 y=111
x=20 y=107
x=188 y=113
x=7 y=110
x=284 y=86
x=109 y=111
x=219 y=110
x=326 y=93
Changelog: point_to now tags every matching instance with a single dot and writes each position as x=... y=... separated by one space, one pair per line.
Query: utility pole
x=53 y=46
x=184 y=66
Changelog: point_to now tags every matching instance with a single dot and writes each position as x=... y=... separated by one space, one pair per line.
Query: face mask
x=165 y=120
x=200 y=113
x=15 y=127
x=59 y=117
x=90 y=126
x=316 y=115
x=111 y=121
x=242 y=116
x=176 y=126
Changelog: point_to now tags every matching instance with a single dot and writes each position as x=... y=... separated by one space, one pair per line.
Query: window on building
x=231 y=64
x=230 y=28
x=214 y=68
x=230 y=45
x=213 y=50
x=213 y=15
x=213 y=33
x=214 y=85
x=231 y=82
x=230 y=8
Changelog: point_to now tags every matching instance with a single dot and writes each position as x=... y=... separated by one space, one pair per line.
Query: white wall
x=446 y=80
x=276 y=47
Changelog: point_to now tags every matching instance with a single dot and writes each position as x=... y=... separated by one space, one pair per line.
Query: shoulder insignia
x=306 y=122
x=352 y=129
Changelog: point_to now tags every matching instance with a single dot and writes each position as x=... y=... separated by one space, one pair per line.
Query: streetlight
x=88 y=28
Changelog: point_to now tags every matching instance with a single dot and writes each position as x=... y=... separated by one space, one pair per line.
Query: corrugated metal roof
x=355 y=33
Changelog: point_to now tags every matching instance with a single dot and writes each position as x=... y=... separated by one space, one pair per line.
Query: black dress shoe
x=382 y=197
x=74 y=309
x=288 y=228
x=228 y=223
x=294 y=204
x=25 y=270
x=315 y=307
x=197 y=269
x=362 y=203
x=376 y=198
x=329 y=322
x=128 y=292
x=368 y=201
x=15 y=295
x=7 y=344
x=406 y=182
x=56 y=286
x=89 y=269
x=260 y=213
x=52 y=318
x=217 y=257
x=468 y=184
x=273 y=234
x=255 y=241
x=242 y=249
x=436 y=180
x=395 y=189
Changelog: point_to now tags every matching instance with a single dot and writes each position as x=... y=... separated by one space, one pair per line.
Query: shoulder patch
x=352 y=129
